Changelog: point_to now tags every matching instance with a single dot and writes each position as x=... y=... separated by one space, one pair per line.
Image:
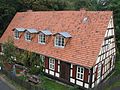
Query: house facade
x=77 y=47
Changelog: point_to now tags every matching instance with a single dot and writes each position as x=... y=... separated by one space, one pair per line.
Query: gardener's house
x=77 y=47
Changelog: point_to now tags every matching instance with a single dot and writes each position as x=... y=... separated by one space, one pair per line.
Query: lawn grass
x=117 y=67
x=53 y=85
x=50 y=84
x=116 y=84
x=23 y=77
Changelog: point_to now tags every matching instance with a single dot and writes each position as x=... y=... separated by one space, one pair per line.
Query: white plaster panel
x=113 y=44
x=1 y=53
x=98 y=81
x=86 y=85
x=93 y=78
x=58 y=61
x=46 y=70
x=72 y=80
x=114 y=50
x=110 y=33
x=113 y=32
x=71 y=66
x=58 y=68
x=71 y=72
x=102 y=77
x=93 y=85
x=110 y=24
x=79 y=83
x=94 y=69
x=98 y=59
x=51 y=72
x=57 y=74
x=106 y=34
x=88 y=78
x=105 y=74
x=104 y=58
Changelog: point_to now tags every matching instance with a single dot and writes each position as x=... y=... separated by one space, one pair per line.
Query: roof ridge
x=63 y=11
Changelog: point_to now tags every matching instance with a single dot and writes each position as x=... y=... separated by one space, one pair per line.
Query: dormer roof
x=46 y=32
x=32 y=30
x=19 y=29
x=64 y=34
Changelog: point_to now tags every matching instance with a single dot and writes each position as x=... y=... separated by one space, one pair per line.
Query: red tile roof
x=87 y=36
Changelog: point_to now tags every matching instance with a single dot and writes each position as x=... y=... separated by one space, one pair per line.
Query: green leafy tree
x=9 y=51
x=6 y=14
x=87 y=4
x=35 y=63
x=114 y=5
x=29 y=59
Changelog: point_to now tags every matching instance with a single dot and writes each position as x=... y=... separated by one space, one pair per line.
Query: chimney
x=83 y=9
x=29 y=10
x=85 y=16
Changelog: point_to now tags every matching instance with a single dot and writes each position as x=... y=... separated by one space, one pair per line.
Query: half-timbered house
x=77 y=47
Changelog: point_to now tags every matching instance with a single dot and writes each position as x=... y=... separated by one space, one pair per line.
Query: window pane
x=56 y=41
x=27 y=36
x=16 y=34
x=50 y=60
x=41 y=38
x=51 y=66
x=59 y=41
x=78 y=69
x=81 y=70
x=78 y=75
x=51 y=63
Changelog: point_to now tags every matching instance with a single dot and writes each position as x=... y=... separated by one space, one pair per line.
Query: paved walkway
x=116 y=88
x=4 y=85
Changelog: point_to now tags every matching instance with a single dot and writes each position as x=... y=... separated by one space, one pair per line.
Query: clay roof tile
x=83 y=47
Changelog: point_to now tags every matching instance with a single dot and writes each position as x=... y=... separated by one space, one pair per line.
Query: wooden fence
x=28 y=86
x=21 y=82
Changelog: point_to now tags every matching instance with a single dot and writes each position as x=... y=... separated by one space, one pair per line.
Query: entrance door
x=65 y=70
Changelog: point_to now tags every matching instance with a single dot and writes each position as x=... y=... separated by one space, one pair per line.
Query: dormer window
x=29 y=33
x=59 y=41
x=41 y=38
x=16 y=34
x=27 y=36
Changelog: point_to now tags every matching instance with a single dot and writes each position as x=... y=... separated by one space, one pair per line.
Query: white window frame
x=27 y=36
x=51 y=64
x=41 y=38
x=16 y=34
x=80 y=73
x=59 y=41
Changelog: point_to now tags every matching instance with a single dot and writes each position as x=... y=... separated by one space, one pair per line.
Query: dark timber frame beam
x=91 y=76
